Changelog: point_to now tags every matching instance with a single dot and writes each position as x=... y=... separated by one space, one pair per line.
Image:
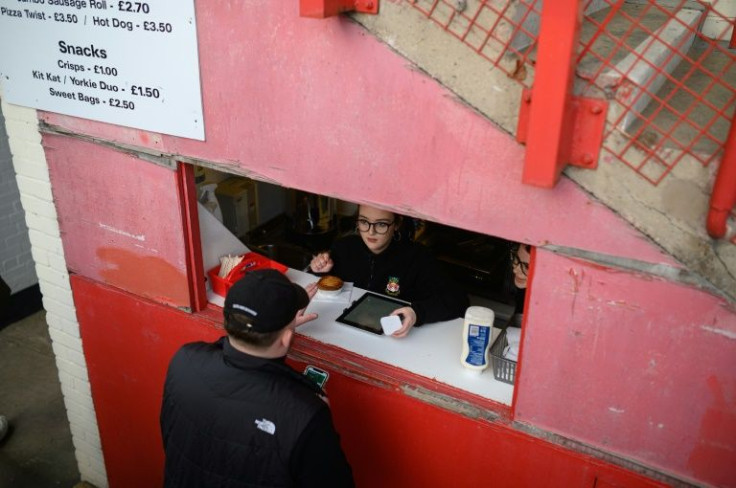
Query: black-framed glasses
x=380 y=227
x=515 y=261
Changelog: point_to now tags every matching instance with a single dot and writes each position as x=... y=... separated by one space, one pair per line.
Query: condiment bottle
x=477 y=333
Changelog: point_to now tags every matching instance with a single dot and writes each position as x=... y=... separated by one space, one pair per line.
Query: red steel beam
x=321 y=9
x=549 y=138
x=723 y=198
x=192 y=240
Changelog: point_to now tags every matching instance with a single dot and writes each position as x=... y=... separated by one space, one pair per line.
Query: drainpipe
x=723 y=198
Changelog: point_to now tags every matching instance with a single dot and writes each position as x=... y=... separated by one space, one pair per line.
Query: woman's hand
x=410 y=318
x=311 y=289
x=321 y=263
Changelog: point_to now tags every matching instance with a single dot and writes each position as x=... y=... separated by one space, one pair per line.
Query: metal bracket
x=321 y=9
x=589 y=121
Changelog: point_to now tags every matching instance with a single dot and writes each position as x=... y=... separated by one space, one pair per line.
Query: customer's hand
x=410 y=318
x=321 y=263
x=302 y=318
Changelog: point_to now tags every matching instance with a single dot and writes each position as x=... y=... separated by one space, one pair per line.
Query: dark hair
x=509 y=288
x=236 y=326
x=514 y=247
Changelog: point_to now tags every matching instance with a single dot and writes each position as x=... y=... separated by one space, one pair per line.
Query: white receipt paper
x=390 y=324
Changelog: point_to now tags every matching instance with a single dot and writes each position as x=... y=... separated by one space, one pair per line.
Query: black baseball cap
x=267 y=298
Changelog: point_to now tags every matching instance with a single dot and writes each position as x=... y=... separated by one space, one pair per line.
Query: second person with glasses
x=378 y=260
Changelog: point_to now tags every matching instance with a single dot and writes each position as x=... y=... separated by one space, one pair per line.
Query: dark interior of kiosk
x=289 y=226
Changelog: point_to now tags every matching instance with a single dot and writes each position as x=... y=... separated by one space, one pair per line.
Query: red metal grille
x=501 y=31
x=665 y=66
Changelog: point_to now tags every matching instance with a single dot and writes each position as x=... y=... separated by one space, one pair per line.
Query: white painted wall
x=16 y=262
x=32 y=179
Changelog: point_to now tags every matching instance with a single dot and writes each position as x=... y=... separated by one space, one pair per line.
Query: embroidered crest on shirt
x=266 y=426
x=392 y=287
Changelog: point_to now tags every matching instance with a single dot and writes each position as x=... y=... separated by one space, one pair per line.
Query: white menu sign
x=128 y=63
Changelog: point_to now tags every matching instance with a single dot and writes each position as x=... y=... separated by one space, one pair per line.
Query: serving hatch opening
x=238 y=215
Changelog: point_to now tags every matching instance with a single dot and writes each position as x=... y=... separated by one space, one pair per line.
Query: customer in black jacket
x=377 y=260
x=235 y=415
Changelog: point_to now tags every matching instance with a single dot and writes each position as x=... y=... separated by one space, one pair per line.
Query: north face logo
x=266 y=426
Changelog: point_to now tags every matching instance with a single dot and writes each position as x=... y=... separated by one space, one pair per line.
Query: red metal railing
x=689 y=108
x=665 y=67
x=675 y=89
x=499 y=31
x=723 y=198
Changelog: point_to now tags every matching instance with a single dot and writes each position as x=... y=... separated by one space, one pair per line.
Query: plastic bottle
x=477 y=333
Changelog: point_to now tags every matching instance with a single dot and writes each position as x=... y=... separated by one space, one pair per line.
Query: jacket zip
x=370 y=278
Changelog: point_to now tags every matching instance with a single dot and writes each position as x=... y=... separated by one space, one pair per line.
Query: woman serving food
x=377 y=260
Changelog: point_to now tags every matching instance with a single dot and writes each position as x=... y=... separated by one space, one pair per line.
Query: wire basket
x=503 y=369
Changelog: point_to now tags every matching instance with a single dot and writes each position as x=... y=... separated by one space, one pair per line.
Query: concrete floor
x=38 y=452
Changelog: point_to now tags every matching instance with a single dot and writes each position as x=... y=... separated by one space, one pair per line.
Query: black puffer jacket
x=229 y=419
x=404 y=270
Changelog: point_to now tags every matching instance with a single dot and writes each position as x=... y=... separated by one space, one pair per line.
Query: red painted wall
x=322 y=106
x=630 y=364
x=128 y=343
x=120 y=219
x=408 y=443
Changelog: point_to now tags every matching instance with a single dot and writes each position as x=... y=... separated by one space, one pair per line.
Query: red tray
x=251 y=262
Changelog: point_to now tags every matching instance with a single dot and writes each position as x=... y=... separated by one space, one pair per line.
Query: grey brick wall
x=16 y=261
x=31 y=181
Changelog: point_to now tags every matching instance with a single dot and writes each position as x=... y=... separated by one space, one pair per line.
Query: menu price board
x=128 y=63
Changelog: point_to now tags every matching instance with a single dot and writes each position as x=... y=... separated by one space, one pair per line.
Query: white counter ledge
x=432 y=351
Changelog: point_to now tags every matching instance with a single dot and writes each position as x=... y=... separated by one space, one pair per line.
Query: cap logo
x=245 y=309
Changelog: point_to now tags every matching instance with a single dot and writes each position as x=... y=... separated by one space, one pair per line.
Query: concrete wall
x=50 y=266
x=16 y=262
